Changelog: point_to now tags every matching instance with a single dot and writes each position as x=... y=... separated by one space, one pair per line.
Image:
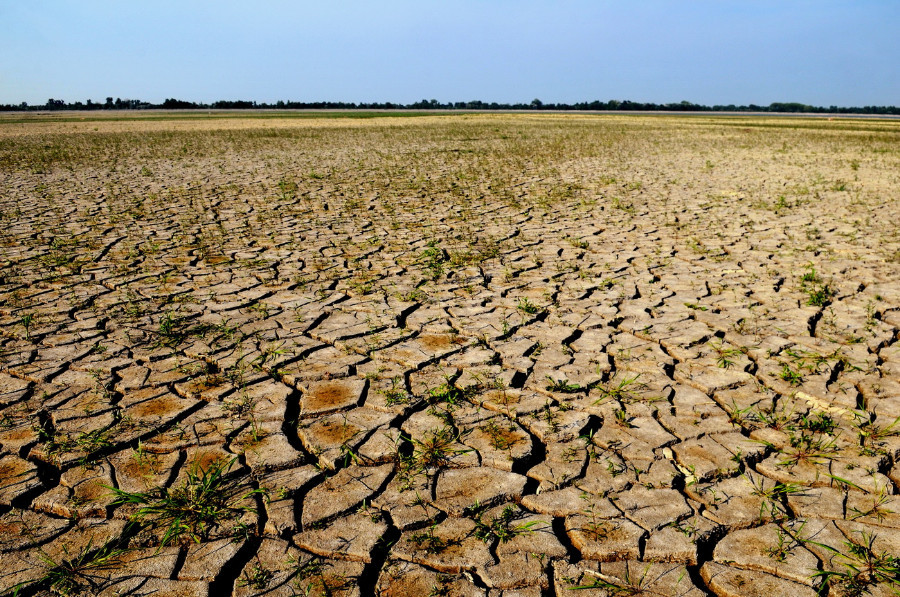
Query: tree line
x=536 y=104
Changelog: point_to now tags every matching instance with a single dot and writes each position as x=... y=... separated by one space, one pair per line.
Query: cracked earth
x=449 y=355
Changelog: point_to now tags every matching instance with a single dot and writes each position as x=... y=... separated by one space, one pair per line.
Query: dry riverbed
x=499 y=355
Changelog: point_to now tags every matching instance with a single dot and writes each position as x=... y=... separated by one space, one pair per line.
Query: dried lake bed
x=481 y=354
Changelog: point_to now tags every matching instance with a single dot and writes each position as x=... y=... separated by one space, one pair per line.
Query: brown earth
x=492 y=355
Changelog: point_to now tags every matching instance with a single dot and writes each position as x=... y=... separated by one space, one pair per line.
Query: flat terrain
x=501 y=355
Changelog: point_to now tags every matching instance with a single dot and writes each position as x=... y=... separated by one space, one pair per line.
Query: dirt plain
x=504 y=355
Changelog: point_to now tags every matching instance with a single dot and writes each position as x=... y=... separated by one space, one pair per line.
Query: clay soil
x=500 y=355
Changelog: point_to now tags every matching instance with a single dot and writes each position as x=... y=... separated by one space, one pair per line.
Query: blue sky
x=821 y=52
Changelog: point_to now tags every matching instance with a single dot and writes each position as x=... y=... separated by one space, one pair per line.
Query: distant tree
x=535 y=104
x=232 y=104
x=174 y=104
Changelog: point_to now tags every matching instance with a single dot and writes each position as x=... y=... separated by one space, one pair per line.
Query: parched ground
x=502 y=355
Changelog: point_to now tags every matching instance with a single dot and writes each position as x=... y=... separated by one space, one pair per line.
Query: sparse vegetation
x=627 y=389
x=860 y=566
x=622 y=306
x=206 y=499
x=79 y=572
x=500 y=528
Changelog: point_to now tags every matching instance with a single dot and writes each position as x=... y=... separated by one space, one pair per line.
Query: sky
x=819 y=52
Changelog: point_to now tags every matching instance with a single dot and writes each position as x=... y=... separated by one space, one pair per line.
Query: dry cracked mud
x=496 y=355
